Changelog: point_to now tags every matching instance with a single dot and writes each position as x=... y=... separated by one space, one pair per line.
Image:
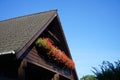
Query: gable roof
x=16 y=32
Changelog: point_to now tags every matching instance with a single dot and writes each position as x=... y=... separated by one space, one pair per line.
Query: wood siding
x=34 y=58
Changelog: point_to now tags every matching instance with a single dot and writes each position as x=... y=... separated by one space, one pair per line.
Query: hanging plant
x=54 y=53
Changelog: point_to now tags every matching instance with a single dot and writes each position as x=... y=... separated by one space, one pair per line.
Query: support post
x=21 y=70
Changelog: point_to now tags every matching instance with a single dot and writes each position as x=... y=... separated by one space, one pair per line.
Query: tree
x=88 y=77
x=108 y=71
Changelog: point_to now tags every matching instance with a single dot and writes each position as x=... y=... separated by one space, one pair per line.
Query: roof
x=16 y=32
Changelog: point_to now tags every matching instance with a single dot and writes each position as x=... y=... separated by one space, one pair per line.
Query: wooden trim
x=74 y=74
x=49 y=69
x=60 y=26
x=53 y=35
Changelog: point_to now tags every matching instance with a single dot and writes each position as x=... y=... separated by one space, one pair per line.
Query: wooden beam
x=21 y=70
x=53 y=35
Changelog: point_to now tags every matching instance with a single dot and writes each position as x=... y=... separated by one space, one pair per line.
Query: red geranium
x=55 y=53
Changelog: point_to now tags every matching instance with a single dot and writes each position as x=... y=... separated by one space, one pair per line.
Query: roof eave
x=7 y=52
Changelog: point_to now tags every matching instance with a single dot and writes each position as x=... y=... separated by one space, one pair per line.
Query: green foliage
x=108 y=71
x=42 y=43
x=88 y=77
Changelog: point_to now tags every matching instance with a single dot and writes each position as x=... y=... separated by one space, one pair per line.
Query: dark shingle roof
x=16 y=32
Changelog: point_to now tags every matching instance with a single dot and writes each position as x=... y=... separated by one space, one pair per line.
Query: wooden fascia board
x=59 y=23
x=20 y=52
x=74 y=71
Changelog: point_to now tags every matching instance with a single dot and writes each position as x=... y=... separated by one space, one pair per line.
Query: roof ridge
x=29 y=15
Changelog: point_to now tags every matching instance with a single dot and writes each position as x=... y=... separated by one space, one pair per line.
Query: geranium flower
x=55 y=53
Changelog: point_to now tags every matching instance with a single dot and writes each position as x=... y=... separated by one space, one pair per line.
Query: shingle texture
x=16 y=32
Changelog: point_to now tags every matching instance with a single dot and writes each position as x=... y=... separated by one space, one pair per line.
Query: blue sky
x=91 y=27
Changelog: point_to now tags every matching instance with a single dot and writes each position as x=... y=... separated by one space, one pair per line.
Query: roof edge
x=7 y=52
x=28 y=15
